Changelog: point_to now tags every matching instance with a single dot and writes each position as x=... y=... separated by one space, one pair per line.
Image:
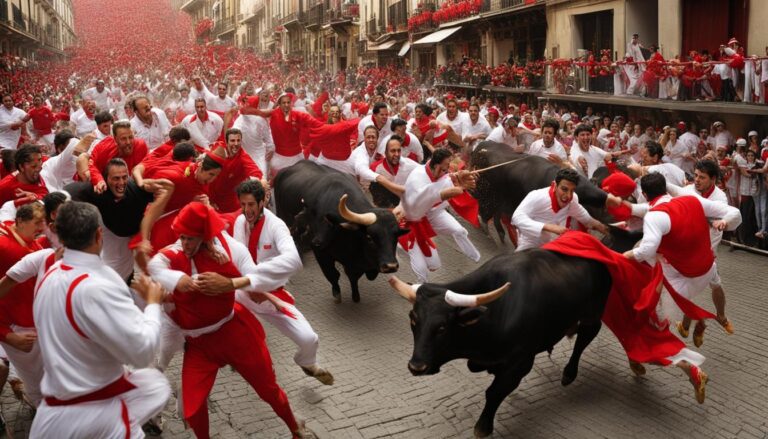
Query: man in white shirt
x=586 y=158
x=85 y=121
x=427 y=190
x=634 y=50
x=222 y=103
x=89 y=329
x=547 y=212
x=548 y=147
x=272 y=248
x=199 y=90
x=458 y=120
x=378 y=118
x=149 y=124
x=477 y=129
x=411 y=147
x=636 y=141
x=11 y=122
x=506 y=133
x=99 y=95
x=257 y=139
x=651 y=161
x=204 y=126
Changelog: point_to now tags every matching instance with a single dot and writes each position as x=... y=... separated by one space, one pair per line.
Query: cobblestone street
x=367 y=345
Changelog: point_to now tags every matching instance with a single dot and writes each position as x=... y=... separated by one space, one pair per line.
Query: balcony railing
x=372 y=27
x=316 y=16
x=4 y=11
x=344 y=13
x=294 y=18
x=224 y=25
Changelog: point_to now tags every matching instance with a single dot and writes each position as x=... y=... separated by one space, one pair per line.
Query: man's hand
x=554 y=228
x=100 y=187
x=600 y=227
x=22 y=341
x=719 y=225
x=466 y=179
x=583 y=164
x=186 y=284
x=85 y=143
x=613 y=201
x=148 y=289
x=213 y=283
x=203 y=198
x=14 y=127
x=629 y=254
x=556 y=159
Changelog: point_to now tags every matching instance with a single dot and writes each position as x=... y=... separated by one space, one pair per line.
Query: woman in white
x=679 y=154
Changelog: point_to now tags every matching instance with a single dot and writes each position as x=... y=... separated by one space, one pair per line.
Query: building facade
x=34 y=29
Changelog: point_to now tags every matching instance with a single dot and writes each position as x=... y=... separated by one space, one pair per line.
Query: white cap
x=566 y=117
x=752 y=133
x=741 y=142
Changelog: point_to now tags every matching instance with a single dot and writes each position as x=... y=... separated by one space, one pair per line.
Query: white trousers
x=104 y=419
x=298 y=330
x=346 y=166
x=28 y=368
x=116 y=254
x=279 y=162
x=688 y=287
x=444 y=224
x=422 y=264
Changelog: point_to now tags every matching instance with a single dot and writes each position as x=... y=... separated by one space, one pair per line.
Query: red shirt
x=335 y=141
x=106 y=150
x=286 y=133
x=182 y=175
x=42 y=119
x=237 y=169
x=16 y=307
x=686 y=247
x=10 y=183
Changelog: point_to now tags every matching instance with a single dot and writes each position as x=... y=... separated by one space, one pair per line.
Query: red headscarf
x=198 y=220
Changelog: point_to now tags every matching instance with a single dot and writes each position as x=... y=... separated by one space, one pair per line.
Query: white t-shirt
x=500 y=135
x=538 y=149
x=594 y=156
x=9 y=138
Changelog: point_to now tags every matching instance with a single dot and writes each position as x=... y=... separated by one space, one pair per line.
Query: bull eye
x=441 y=329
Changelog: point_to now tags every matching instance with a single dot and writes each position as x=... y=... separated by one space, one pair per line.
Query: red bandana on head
x=198 y=220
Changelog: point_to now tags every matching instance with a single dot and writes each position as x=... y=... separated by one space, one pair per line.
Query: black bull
x=540 y=296
x=499 y=191
x=328 y=211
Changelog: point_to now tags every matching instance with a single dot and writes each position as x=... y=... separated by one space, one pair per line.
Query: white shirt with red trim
x=397 y=175
x=154 y=134
x=413 y=147
x=277 y=256
x=31 y=265
x=203 y=133
x=422 y=194
x=367 y=121
x=536 y=210
x=716 y=194
x=89 y=328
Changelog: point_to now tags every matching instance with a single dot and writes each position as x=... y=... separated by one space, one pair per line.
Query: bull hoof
x=336 y=296
x=356 y=297
x=475 y=367
x=569 y=376
x=483 y=430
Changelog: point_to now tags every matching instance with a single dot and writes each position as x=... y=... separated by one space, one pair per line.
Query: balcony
x=316 y=16
x=224 y=26
x=192 y=5
x=294 y=19
x=344 y=15
x=256 y=11
x=372 y=28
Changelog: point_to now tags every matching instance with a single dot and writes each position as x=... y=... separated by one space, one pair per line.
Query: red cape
x=631 y=307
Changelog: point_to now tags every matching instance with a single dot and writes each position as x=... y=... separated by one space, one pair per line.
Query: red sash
x=421 y=234
x=117 y=387
x=685 y=246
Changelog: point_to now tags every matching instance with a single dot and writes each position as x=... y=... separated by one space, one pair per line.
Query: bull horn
x=469 y=300
x=408 y=292
x=364 y=219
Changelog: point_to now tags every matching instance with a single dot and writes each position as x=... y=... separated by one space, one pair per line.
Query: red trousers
x=241 y=344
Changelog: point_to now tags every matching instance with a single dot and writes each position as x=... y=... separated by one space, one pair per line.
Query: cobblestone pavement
x=367 y=345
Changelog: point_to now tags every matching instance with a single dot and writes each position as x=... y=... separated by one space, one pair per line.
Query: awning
x=383 y=46
x=436 y=37
x=404 y=49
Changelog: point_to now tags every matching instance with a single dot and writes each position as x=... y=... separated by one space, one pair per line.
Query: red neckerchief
x=530 y=126
x=253 y=240
x=392 y=171
x=708 y=192
x=406 y=140
x=429 y=171
x=194 y=117
x=373 y=119
x=555 y=205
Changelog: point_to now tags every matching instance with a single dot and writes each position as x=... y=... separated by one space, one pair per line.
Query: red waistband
x=118 y=387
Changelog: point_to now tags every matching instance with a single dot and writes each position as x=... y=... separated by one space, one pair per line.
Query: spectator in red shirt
x=42 y=121
x=121 y=144
x=26 y=185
